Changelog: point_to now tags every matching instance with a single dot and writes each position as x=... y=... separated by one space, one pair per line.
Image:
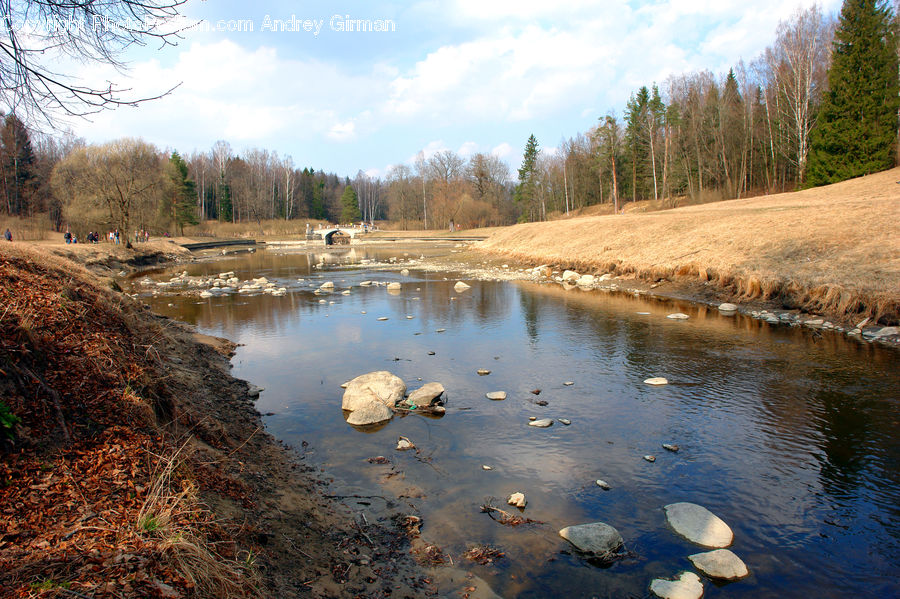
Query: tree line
x=817 y=106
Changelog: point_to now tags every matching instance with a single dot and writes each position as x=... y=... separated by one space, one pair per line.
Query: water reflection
x=792 y=439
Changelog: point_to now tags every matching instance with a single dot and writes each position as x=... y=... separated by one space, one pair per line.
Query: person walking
x=7 y=235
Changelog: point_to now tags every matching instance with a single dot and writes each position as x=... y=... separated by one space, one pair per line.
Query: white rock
x=886 y=332
x=603 y=484
x=483 y=372
x=382 y=318
x=698 y=525
x=370 y=412
x=327 y=285
x=496 y=395
x=486 y=467
x=394 y=286
x=657 y=381
x=460 y=287
x=678 y=316
x=380 y=386
x=403 y=444
x=570 y=276
x=598 y=537
x=565 y=421
x=345 y=292
x=650 y=458
x=605 y=277
x=542 y=423
x=726 y=307
x=365 y=283
x=686 y=586
x=517 y=499
x=569 y=383
x=206 y=294
x=404 y=272
x=721 y=564
x=585 y=281
x=426 y=395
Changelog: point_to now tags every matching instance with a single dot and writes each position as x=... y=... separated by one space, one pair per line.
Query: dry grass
x=252 y=230
x=35 y=228
x=834 y=249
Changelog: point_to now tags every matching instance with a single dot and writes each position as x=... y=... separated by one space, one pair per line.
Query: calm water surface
x=791 y=438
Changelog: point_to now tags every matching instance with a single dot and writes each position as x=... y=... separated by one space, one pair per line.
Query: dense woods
x=819 y=105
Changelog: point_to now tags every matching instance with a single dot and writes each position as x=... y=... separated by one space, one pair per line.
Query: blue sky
x=465 y=75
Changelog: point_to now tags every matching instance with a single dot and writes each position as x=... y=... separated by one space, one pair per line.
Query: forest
x=776 y=123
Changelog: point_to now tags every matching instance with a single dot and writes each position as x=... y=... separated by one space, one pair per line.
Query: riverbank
x=140 y=467
x=832 y=251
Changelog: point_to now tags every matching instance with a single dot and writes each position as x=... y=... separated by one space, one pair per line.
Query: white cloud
x=502 y=151
x=468 y=149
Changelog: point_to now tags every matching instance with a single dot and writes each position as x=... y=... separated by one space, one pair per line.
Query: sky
x=465 y=75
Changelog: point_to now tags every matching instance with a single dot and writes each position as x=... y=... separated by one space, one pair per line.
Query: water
x=791 y=438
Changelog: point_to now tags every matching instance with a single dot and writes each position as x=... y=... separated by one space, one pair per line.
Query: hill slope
x=833 y=249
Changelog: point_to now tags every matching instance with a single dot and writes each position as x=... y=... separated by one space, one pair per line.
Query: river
x=790 y=436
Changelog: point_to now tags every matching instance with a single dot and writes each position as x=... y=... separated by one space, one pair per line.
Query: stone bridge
x=327 y=234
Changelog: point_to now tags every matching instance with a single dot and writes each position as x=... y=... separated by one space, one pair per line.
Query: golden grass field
x=833 y=249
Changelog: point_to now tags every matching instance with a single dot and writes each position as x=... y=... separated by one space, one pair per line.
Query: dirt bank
x=832 y=250
x=141 y=468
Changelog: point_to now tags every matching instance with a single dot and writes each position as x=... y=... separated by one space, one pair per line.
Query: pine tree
x=857 y=123
x=182 y=193
x=350 y=206
x=18 y=167
x=525 y=191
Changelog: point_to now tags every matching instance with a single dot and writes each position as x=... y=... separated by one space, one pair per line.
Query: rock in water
x=404 y=272
x=542 y=423
x=327 y=285
x=427 y=395
x=671 y=447
x=568 y=383
x=585 y=281
x=598 y=538
x=686 y=586
x=517 y=499
x=371 y=412
x=603 y=485
x=721 y=564
x=678 y=316
x=570 y=276
x=698 y=525
x=565 y=421
x=496 y=395
x=483 y=372
x=650 y=458
x=382 y=318
x=460 y=287
x=658 y=380
x=403 y=444
x=726 y=307
x=486 y=467
x=394 y=286
x=380 y=386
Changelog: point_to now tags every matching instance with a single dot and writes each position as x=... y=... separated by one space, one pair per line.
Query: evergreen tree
x=857 y=123
x=525 y=191
x=18 y=167
x=181 y=194
x=350 y=206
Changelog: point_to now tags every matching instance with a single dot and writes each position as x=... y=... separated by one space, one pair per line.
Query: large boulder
x=598 y=538
x=427 y=395
x=720 y=564
x=380 y=386
x=698 y=525
x=372 y=412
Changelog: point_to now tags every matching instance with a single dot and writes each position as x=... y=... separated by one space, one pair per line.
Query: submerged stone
x=686 y=586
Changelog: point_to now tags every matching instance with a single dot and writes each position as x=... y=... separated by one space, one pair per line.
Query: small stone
x=404 y=272
x=486 y=467
x=363 y=312
x=726 y=307
x=670 y=447
x=431 y=353
x=409 y=317
x=496 y=395
x=483 y=372
x=721 y=564
x=569 y=383
x=541 y=402
x=394 y=286
x=517 y=499
x=650 y=458
x=678 y=316
x=603 y=485
x=382 y=318
x=403 y=444
x=657 y=381
x=327 y=285
x=686 y=586
x=536 y=391
x=440 y=330
x=460 y=287
x=542 y=423
x=565 y=421
x=532 y=418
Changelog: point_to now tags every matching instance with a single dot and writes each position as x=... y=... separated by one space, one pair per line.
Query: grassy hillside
x=833 y=249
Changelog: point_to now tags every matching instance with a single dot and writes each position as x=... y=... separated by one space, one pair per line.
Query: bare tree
x=37 y=33
x=799 y=62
